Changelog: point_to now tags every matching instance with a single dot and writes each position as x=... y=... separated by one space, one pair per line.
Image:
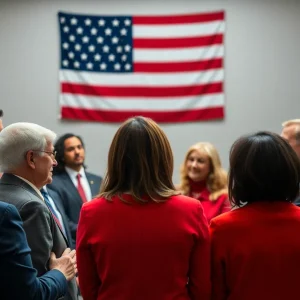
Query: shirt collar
x=44 y=189
x=72 y=173
x=33 y=186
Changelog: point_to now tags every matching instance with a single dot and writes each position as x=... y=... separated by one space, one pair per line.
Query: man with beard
x=74 y=185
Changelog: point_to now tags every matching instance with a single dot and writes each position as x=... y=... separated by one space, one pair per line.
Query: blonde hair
x=217 y=178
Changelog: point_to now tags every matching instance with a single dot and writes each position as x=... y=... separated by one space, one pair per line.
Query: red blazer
x=216 y=207
x=199 y=191
x=143 y=251
x=256 y=252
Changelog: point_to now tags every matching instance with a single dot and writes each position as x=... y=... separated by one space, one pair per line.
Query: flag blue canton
x=96 y=43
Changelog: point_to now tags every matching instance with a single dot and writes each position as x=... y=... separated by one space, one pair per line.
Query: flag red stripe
x=203 y=65
x=178 y=19
x=108 y=91
x=162 y=117
x=197 y=41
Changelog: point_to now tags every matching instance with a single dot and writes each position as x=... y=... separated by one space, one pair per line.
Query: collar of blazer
x=12 y=179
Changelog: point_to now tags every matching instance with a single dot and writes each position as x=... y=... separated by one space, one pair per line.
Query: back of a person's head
x=59 y=147
x=18 y=138
x=140 y=162
x=263 y=167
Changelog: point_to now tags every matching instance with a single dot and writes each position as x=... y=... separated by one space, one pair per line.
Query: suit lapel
x=92 y=184
x=59 y=209
x=70 y=187
x=15 y=180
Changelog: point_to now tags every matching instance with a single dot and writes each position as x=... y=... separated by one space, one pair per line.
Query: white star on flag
x=74 y=21
x=87 y=22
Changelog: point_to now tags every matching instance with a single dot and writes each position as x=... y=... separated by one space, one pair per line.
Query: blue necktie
x=47 y=201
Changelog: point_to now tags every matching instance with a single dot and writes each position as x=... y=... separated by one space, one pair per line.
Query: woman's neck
x=197 y=186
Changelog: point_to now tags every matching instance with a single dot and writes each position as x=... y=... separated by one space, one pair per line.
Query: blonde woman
x=203 y=178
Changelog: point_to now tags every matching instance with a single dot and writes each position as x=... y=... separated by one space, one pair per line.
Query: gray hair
x=18 y=138
x=296 y=124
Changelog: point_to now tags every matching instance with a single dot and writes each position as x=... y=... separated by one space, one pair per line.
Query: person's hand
x=65 y=264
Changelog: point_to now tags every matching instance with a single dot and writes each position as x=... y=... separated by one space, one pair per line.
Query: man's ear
x=30 y=159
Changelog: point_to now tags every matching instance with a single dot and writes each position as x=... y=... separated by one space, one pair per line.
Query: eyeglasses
x=53 y=153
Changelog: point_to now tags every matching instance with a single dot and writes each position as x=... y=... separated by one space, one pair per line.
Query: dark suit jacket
x=72 y=201
x=43 y=234
x=17 y=276
x=60 y=207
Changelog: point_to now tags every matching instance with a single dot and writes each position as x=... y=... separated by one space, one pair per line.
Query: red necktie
x=80 y=189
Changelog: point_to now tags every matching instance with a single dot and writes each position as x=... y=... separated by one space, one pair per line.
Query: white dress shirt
x=84 y=182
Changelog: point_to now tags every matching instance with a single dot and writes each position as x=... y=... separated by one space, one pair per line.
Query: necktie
x=47 y=201
x=80 y=189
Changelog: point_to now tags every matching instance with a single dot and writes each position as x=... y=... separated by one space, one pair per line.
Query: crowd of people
x=66 y=233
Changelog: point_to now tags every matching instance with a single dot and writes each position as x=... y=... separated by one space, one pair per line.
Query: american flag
x=169 y=68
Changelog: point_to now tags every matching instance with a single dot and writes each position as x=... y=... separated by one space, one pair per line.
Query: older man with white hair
x=291 y=133
x=27 y=159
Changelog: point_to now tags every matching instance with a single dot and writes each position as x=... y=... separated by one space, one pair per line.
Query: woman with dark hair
x=255 y=249
x=140 y=239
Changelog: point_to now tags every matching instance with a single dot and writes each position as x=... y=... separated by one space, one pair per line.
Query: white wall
x=262 y=68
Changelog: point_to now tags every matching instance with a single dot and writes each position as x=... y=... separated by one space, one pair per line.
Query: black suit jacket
x=60 y=207
x=43 y=234
x=17 y=276
x=71 y=199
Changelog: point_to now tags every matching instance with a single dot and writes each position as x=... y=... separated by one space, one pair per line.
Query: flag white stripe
x=177 y=55
x=136 y=79
x=178 y=30
x=118 y=104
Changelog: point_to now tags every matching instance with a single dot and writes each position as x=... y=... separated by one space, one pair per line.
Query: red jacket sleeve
x=217 y=264
x=225 y=207
x=199 y=278
x=89 y=281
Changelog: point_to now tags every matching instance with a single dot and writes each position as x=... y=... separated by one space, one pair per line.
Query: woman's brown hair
x=140 y=162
